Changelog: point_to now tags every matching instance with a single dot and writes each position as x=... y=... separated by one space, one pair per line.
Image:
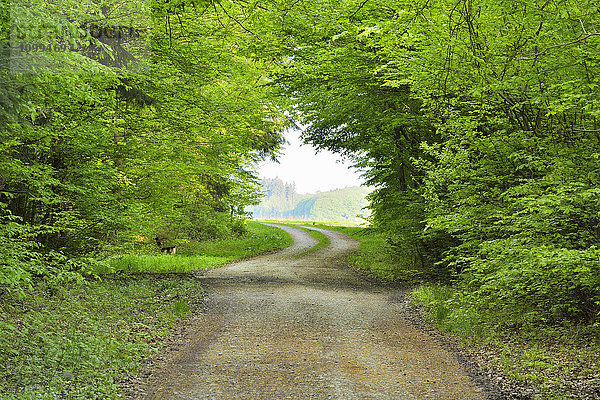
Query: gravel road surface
x=298 y=325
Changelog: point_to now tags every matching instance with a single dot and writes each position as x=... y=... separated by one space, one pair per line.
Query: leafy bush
x=79 y=341
x=398 y=216
x=534 y=283
x=209 y=225
x=523 y=217
x=23 y=262
x=258 y=238
x=438 y=300
x=193 y=256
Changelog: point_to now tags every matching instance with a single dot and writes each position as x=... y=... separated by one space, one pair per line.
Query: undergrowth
x=553 y=361
x=201 y=255
x=80 y=341
x=376 y=257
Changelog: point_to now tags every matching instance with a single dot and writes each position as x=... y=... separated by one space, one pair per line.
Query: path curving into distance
x=290 y=325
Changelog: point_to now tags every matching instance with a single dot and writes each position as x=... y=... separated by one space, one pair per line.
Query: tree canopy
x=108 y=141
x=476 y=121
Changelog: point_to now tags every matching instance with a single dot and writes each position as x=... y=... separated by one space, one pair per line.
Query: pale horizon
x=310 y=171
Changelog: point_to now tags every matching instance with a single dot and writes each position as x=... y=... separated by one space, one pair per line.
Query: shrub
x=535 y=283
x=23 y=261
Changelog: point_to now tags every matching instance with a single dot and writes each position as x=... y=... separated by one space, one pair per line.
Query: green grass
x=374 y=255
x=259 y=239
x=436 y=299
x=80 y=341
x=201 y=255
x=551 y=360
x=323 y=241
x=160 y=264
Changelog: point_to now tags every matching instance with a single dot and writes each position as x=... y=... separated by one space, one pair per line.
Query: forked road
x=291 y=325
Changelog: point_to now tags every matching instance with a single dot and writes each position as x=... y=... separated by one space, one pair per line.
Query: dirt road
x=304 y=326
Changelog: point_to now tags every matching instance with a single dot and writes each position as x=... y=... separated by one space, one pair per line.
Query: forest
x=476 y=121
x=280 y=201
x=116 y=138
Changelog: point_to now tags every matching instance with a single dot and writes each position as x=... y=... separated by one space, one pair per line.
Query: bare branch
x=235 y=19
x=358 y=9
x=581 y=38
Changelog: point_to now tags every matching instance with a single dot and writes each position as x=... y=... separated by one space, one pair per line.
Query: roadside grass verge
x=374 y=255
x=160 y=264
x=82 y=341
x=544 y=361
x=259 y=239
x=323 y=241
x=201 y=255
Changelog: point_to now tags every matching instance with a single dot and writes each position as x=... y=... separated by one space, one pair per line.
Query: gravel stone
x=289 y=325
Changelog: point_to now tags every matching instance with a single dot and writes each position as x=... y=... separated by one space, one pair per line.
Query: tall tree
x=123 y=121
x=478 y=118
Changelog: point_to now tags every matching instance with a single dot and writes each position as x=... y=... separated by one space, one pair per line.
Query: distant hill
x=281 y=201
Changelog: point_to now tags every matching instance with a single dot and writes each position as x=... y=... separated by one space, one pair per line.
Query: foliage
x=194 y=256
x=337 y=86
x=477 y=122
x=21 y=262
x=514 y=181
x=376 y=256
x=81 y=341
x=158 y=138
x=552 y=361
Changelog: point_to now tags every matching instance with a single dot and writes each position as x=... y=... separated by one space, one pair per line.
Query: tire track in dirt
x=293 y=326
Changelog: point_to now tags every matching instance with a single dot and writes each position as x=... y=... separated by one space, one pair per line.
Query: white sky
x=311 y=172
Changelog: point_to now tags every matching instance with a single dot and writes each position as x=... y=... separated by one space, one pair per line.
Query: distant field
x=316 y=223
